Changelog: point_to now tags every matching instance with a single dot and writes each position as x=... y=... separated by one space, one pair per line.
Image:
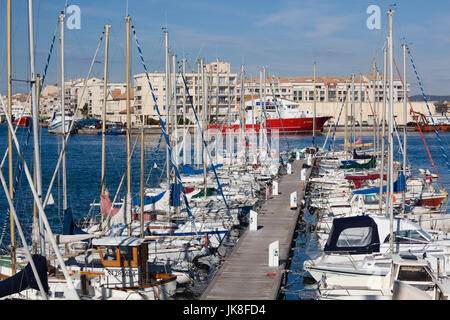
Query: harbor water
x=84 y=171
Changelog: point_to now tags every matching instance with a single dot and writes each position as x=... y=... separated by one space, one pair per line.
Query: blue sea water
x=84 y=171
x=306 y=245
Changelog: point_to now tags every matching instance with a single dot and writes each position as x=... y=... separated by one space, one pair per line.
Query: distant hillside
x=419 y=97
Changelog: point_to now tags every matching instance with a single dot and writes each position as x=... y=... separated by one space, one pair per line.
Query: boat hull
x=430 y=128
x=289 y=125
x=22 y=121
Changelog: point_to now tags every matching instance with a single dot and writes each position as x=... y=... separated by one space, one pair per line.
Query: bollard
x=274 y=254
x=253 y=220
x=294 y=200
x=289 y=168
x=274 y=188
x=303 y=178
x=309 y=161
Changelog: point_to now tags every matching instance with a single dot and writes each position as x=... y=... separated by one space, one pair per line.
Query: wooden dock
x=246 y=274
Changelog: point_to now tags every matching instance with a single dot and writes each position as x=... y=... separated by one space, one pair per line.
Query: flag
x=105 y=206
x=359 y=141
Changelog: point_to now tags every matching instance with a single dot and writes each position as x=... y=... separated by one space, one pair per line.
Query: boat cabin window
x=110 y=254
x=408 y=236
x=126 y=253
x=355 y=237
x=370 y=199
x=413 y=273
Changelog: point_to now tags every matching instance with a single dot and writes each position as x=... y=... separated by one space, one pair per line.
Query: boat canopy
x=359 y=157
x=25 y=279
x=148 y=199
x=399 y=186
x=189 y=171
x=359 y=180
x=354 y=165
x=355 y=235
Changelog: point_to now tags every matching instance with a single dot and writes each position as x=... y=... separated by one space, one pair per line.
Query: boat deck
x=246 y=274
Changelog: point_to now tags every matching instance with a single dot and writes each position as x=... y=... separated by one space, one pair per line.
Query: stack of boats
x=366 y=253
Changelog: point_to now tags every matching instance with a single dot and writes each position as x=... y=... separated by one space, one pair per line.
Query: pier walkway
x=246 y=274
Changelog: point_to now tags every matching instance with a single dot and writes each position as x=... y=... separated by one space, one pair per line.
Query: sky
x=285 y=36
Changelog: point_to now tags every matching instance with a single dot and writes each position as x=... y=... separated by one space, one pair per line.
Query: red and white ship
x=288 y=117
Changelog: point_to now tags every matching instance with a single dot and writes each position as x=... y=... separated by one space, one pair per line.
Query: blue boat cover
x=189 y=171
x=175 y=192
x=349 y=163
x=340 y=242
x=357 y=156
x=25 y=279
x=69 y=226
x=399 y=186
x=148 y=200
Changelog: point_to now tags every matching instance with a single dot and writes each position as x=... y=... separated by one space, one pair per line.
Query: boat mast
x=166 y=35
x=264 y=106
x=360 y=105
x=105 y=96
x=35 y=114
x=10 y=146
x=261 y=109
x=253 y=104
x=175 y=110
x=217 y=109
x=175 y=119
x=383 y=129
x=184 y=114
x=128 y=72
x=391 y=132
x=205 y=120
x=404 y=124
x=352 y=108
x=142 y=182
x=63 y=115
x=346 y=144
x=242 y=108
x=374 y=74
x=314 y=108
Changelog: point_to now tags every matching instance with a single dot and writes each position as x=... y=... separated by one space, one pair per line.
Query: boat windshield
x=410 y=236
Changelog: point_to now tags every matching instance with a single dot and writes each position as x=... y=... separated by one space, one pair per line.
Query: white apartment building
x=328 y=89
x=220 y=86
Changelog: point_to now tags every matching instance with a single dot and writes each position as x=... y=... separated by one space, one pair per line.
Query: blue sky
x=286 y=36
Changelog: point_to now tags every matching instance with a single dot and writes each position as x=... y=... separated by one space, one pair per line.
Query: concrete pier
x=246 y=274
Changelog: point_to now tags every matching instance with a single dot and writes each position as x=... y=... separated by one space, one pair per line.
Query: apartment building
x=328 y=89
x=220 y=86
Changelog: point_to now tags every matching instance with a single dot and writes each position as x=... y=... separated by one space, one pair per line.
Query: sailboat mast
x=205 y=120
x=35 y=115
x=391 y=132
x=360 y=105
x=63 y=115
x=374 y=92
x=404 y=123
x=166 y=35
x=346 y=144
x=352 y=108
x=217 y=110
x=105 y=98
x=175 y=109
x=243 y=112
x=314 y=108
x=184 y=114
x=383 y=129
x=128 y=108
x=142 y=182
x=10 y=145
